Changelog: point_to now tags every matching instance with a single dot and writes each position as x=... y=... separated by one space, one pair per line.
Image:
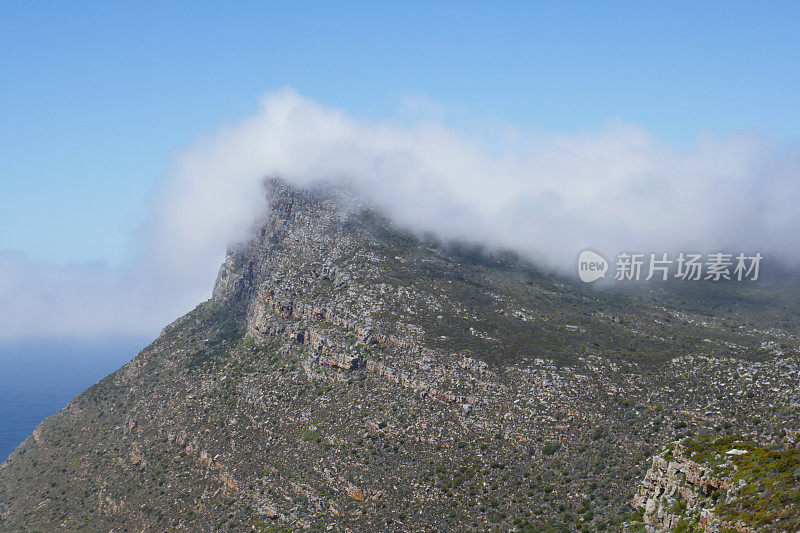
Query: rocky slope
x=348 y=375
x=714 y=485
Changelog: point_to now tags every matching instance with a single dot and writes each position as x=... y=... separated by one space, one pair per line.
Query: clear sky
x=95 y=96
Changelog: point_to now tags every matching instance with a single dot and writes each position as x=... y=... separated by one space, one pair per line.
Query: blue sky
x=96 y=96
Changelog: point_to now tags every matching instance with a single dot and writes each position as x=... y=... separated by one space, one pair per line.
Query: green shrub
x=550 y=448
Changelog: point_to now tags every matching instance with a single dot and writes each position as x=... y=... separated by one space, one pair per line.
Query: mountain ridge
x=347 y=374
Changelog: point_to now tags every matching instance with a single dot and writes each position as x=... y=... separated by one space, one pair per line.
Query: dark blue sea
x=38 y=378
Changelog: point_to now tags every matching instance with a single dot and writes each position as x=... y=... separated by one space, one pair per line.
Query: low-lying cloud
x=545 y=195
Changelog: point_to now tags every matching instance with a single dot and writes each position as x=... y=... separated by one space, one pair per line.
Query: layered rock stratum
x=348 y=375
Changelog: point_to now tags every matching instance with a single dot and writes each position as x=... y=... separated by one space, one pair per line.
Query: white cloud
x=545 y=195
x=86 y=301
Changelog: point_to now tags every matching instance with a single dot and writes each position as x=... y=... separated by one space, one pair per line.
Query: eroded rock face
x=720 y=484
x=349 y=376
x=676 y=488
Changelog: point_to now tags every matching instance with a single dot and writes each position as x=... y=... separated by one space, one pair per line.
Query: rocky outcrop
x=407 y=380
x=720 y=485
x=235 y=278
x=675 y=489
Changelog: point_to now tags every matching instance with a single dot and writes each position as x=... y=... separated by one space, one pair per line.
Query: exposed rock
x=715 y=493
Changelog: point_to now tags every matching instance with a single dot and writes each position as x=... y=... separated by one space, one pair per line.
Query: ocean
x=38 y=378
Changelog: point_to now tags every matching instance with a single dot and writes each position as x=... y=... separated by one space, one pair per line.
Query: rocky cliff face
x=347 y=375
x=722 y=485
x=673 y=489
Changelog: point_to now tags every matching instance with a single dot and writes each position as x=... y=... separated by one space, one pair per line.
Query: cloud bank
x=545 y=195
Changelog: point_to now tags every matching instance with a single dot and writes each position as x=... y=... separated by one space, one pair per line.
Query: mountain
x=348 y=375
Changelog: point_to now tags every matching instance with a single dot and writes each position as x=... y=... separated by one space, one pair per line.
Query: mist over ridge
x=544 y=195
